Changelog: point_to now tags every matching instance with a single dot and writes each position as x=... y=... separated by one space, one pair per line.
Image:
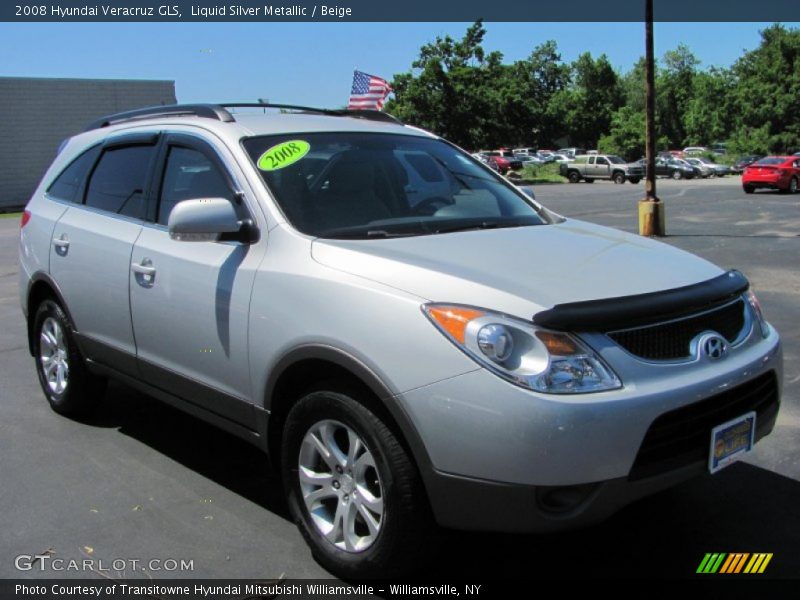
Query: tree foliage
x=465 y=93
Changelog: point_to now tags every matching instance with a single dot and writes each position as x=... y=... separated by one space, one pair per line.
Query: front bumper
x=506 y=459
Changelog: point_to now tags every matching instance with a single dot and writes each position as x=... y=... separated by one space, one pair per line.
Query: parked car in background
x=748 y=159
x=561 y=158
x=529 y=159
x=671 y=167
x=719 y=170
x=695 y=170
x=480 y=156
x=504 y=160
x=780 y=173
x=524 y=151
x=705 y=170
x=695 y=150
x=709 y=168
x=719 y=149
x=601 y=166
x=571 y=152
x=546 y=157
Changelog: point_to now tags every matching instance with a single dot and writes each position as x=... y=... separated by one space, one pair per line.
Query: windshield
x=357 y=185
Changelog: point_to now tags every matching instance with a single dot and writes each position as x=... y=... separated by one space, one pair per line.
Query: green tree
x=708 y=116
x=674 y=86
x=766 y=98
x=585 y=108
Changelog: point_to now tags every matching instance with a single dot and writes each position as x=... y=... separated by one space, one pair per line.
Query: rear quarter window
x=67 y=185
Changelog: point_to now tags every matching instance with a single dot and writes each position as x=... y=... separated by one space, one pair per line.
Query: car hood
x=518 y=271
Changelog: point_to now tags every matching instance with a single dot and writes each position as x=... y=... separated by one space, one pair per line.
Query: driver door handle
x=143 y=268
x=145 y=272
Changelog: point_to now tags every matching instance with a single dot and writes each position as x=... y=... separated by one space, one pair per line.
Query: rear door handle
x=61 y=244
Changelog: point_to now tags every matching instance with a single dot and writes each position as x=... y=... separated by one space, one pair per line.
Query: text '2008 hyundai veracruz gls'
x=414 y=341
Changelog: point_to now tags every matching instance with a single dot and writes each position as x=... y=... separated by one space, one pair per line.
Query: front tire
x=619 y=178
x=677 y=175
x=793 y=185
x=66 y=382
x=353 y=489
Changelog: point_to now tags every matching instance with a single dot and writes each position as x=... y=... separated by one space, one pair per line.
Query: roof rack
x=220 y=112
x=210 y=111
x=371 y=115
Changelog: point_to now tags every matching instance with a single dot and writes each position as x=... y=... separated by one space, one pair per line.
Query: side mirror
x=528 y=191
x=202 y=220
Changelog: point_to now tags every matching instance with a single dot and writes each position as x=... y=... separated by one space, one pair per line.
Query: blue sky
x=312 y=63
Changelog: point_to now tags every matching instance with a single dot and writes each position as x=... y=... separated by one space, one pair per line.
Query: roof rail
x=219 y=112
x=210 y=111
x=371 y=115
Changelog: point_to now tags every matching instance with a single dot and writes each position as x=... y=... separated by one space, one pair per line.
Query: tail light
x=26 y=216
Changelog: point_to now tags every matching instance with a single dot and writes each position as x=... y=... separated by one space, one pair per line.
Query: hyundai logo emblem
x=713 y=346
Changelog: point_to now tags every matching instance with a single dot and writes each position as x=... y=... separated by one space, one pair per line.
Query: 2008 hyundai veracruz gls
x=412 y=339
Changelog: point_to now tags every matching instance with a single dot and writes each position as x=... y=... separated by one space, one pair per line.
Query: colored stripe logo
x=734 y=562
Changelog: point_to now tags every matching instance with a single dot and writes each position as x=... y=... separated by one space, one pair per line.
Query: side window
x=189 y=174
x=118 y=182
x=602 y=161
x=591 y=160
x=69 y=182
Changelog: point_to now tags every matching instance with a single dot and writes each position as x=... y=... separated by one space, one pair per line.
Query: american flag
x=368 y=92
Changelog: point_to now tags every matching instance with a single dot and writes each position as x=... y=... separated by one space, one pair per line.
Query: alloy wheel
x=53 y=356
x=341 y=486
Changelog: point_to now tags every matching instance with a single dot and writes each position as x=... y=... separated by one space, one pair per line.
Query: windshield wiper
x=481 y=225
x=369 y=234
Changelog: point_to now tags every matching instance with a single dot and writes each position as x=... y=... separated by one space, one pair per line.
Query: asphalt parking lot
x=143 y=481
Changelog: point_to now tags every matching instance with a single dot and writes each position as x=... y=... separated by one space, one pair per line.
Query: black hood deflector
x=609 y=314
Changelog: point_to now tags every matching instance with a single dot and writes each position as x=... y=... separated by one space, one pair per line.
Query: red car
x=504 y=160
x=780 y=173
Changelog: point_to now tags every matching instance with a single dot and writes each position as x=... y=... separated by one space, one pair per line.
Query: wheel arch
x=305 y=367
x=40 y=288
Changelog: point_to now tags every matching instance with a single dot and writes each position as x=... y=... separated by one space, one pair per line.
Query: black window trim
x=250 y=231
x=116 y=143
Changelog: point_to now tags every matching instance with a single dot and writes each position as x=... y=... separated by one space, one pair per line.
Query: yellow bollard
x=651 y=218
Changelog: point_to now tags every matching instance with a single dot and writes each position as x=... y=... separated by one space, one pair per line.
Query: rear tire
x=748 y=189
x=793 y=187
x=66 y=382
x=361 y=507
x=677 y=175
x=573 y=176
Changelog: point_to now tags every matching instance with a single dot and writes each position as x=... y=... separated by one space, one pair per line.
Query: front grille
x=683 y=436
x=672 y=340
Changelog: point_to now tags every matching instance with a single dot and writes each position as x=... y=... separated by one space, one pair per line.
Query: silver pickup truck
x=601 y=166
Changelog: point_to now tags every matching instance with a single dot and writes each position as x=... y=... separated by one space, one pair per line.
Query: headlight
x=542 y=360
x=755 y=306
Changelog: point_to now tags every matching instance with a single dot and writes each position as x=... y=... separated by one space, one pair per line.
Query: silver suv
x=413 y=340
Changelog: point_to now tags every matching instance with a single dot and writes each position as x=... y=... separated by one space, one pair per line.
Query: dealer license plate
x=730 y=441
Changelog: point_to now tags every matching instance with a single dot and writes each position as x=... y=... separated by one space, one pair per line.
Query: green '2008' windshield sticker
x=283 y=154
